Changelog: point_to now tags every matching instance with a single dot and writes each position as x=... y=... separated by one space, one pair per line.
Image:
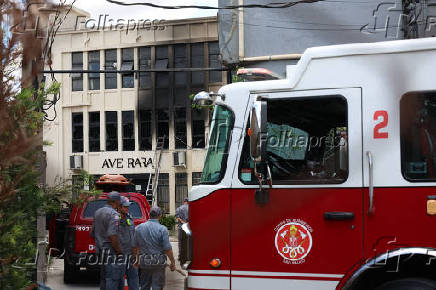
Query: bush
x=169 y=221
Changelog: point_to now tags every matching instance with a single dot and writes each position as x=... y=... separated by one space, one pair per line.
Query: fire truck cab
x=325 y=179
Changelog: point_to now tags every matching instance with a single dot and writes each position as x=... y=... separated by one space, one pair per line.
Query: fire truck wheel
x=409 y=284
x=70 y=272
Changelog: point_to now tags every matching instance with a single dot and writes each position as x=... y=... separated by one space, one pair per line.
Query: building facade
x=250 y=36
x=115 y=122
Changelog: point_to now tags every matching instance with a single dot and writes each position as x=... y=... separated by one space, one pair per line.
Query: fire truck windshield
x=216 y=157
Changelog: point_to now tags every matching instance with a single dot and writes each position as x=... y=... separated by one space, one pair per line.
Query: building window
x=162 y=78
x=163 y=126
x=418 y=135
x=94 y=131
x=77 y=132
x=145 y=130
x=111 y=131
x=145 y=63
x=163 y=192
x=180 y=127
x=197 y=61
x=196 y=177
x=77 y=64
x=127 y=65
x=180 y=61
x=198 y=129
x=181 y=188
x=214 y=61
x=128 y=131
x=94 y=64
x=110 y=63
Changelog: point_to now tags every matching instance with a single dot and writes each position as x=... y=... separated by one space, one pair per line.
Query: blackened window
x=77 y=134
x=418 y=135
x=162 y=126
x=144 y=63
x=214 y=61
x=110 y=63
x=94 y=131
x=197 y=61
x=180 y=61
x=111 y=131
x=145 y=130
x=198 y=129
x=77 y=64
x=162 y=78
x=127 y=65
x=180 y=127
x=94 y=64
x=128 y=131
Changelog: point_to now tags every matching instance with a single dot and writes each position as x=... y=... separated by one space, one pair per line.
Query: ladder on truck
x=153 y=179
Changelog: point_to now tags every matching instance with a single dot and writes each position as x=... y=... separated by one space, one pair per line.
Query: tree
x=21 y=118
x=20 y=195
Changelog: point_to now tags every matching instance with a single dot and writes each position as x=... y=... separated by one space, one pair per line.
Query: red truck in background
x=69 y=232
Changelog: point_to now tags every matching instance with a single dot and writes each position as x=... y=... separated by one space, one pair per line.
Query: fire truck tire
x=409 y=284
x=70 y=273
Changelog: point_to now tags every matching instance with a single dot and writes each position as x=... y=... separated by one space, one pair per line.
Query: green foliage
x=21 y=198
x=235 y=77
x=169 y=221
x=85 y=179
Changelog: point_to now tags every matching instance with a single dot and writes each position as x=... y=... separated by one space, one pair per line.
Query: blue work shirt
x=106 y=224
x=153 y=241
x=182 y=212
x=126 y=235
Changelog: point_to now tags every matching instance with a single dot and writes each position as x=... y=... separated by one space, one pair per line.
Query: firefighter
x=104 y=231
x=182 y=216
x=126 y=237
x=153 y=241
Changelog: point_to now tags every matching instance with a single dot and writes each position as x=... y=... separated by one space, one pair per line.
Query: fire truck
x=323 y=180
x=69 y=232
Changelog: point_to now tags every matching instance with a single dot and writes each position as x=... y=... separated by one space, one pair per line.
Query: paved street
x=174 y=280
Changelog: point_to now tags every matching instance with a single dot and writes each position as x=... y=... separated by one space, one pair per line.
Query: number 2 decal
x=382 y=124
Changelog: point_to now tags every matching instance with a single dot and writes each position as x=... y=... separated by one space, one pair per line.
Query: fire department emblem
x=293 y=240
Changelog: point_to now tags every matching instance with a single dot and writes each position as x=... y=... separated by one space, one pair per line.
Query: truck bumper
x=80 y=260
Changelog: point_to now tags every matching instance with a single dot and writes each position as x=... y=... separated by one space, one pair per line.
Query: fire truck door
x=399 y=171
x=307 y=231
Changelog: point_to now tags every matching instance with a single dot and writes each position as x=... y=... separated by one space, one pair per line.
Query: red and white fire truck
x=323 y=180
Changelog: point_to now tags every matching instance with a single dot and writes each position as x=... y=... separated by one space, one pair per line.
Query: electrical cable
x=272 y=5
x=47 y=52
x=205 y=7
x=326 y=29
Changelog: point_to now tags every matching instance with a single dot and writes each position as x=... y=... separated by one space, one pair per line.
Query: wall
x=292 y=30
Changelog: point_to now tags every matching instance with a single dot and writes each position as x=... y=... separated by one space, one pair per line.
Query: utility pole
x=35 y=29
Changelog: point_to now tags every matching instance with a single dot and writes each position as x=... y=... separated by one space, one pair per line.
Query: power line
x=272 y=5
x=227 y=7
x=331 y=29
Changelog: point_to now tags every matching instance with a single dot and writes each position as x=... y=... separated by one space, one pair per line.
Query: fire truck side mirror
x=258 y=131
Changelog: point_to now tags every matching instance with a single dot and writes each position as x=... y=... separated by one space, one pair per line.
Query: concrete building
x=273 y=38
x=110 y=123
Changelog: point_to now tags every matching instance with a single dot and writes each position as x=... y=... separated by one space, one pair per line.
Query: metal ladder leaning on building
x=153 y=179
